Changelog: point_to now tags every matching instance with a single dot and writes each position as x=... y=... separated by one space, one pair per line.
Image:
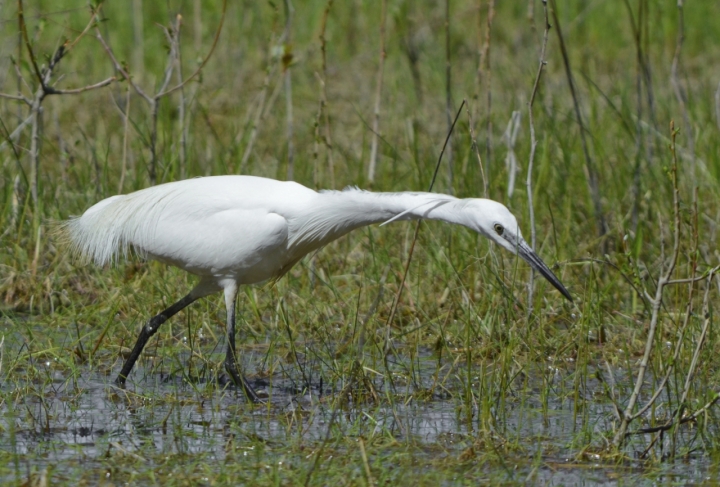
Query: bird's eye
x=499 y=229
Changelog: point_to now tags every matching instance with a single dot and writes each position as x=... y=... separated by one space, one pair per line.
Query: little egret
x=234 y=230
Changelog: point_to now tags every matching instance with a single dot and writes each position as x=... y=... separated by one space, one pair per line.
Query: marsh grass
x=473 y=387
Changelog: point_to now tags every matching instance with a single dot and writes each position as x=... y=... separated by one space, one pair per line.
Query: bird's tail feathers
x=111 y=228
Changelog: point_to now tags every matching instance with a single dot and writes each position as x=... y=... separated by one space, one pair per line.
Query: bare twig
x=656 y=302
x=21 y=98
x=23 y=30
x=678 y=417
x=76 y=91
x=44 y=76
x=126 y=125
x=683 y=420
x=205 y=59
x=257 y=118
x=706 y=312
x=686 y=321
x=533 y=147
x=154 y=100
x=181 y=108
x=378 y=97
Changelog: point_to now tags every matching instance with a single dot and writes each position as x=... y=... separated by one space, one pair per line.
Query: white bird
x=235 y=230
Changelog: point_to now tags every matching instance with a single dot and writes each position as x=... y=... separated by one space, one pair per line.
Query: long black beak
x=531 y=257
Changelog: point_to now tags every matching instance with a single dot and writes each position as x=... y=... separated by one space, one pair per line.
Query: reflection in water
x=544 y=412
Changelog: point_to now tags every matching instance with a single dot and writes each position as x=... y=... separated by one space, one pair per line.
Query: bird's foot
x=240 y=381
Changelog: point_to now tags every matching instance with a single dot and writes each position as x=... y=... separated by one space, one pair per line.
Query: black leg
x=149 y=330
x=231 y=357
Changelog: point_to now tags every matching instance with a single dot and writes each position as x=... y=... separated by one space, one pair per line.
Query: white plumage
x=234 y=230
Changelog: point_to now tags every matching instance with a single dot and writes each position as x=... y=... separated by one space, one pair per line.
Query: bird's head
x=494 y=221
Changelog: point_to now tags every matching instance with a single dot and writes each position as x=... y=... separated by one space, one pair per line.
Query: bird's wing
x=246 y=245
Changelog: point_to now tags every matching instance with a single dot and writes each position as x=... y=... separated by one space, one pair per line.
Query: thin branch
x=678 y=345
x=21 y=98
x=126 y=125
x=172 y=55
x=701 y=277
x=533 y=147
x=628 y=415
x=207 y=57
x=16 y=133
x=23 y=30
x=120 y=68
x=683 y=420
x=181 y=104
x=75 y=91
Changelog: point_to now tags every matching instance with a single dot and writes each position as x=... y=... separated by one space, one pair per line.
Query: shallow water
x=81 y=419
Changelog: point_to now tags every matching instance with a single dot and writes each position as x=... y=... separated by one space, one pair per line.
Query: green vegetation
x=482 y=381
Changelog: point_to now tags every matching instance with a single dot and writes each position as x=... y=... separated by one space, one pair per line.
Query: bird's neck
x=384 y=207
x=336 y=213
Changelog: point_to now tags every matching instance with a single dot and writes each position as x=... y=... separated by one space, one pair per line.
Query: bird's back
x=208 y=226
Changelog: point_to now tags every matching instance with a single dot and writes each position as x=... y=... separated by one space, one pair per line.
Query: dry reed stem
x=474 y=148
x=448 y=96
x=322 y=115
x=533 y=147
x=287 y=62
x=591 y=171
x=677 y=88
x=378 y=98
